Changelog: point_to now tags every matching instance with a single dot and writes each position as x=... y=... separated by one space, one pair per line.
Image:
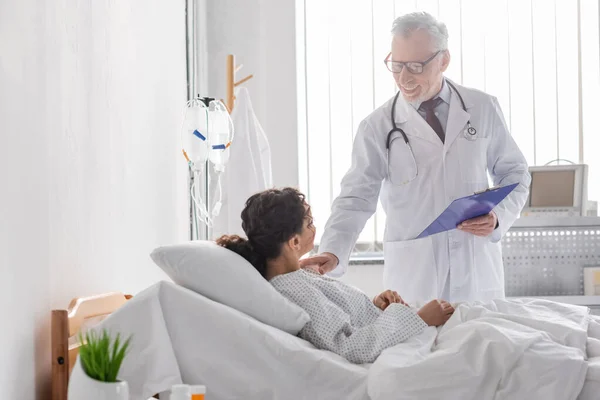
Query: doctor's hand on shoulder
x=480 y=226
x=325 y=262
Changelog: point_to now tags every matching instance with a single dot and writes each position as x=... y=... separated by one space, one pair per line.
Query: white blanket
x=179 y=335
x=504 y=350
x=509 y=349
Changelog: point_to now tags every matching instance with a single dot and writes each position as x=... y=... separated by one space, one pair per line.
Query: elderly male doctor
x=443 y=148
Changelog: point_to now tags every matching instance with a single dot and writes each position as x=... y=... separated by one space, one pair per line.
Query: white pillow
x=226 y=277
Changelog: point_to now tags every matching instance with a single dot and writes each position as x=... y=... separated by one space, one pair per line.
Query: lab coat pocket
x=473 y=159
x=402 y=166
x=410 y=269
x=488 y=269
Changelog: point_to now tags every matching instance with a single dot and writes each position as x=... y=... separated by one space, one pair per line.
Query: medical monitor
x=557 y=190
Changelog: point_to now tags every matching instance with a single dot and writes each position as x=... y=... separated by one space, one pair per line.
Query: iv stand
x=194 y=11
x=191 y=14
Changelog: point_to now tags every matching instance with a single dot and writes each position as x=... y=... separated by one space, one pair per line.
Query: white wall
x=261 y=34
x=91 y=174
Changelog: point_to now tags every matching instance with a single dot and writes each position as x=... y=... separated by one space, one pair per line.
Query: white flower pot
x=82 y=387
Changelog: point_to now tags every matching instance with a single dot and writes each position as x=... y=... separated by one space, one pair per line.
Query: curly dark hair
x=269 y=219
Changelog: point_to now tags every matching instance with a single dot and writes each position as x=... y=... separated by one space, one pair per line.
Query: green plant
x=101 y=357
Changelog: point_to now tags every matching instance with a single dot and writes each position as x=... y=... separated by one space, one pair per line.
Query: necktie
x=433 y=121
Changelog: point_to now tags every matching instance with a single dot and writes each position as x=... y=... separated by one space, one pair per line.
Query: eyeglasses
x=414 y=67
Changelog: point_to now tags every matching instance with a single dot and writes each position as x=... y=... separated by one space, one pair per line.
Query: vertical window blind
x=540 y=58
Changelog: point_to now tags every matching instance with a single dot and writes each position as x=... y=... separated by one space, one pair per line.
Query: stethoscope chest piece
x=470 y=133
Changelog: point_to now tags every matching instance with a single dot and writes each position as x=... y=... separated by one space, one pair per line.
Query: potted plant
x=94 y=375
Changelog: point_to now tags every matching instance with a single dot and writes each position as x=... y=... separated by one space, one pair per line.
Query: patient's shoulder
x=298 y=285
x=290 y=280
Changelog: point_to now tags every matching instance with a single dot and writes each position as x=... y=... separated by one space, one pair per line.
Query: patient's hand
x=386 y=298
x=436 y=312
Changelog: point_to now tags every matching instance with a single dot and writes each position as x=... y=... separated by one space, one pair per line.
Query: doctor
x=433 y=142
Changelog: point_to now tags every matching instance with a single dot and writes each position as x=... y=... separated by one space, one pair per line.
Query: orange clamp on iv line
x=190 y=163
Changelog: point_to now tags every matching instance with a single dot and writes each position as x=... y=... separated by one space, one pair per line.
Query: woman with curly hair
x=279 y=228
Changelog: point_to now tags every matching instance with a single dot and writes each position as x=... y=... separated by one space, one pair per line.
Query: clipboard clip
x=488 y=189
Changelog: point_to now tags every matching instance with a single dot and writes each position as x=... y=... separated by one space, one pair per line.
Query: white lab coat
x=248 y=170
x=453 y=265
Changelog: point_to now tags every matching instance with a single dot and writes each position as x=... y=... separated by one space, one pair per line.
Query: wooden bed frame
x=66 y=324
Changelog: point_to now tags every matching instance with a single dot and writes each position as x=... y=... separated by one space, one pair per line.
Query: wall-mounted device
x=557 y=190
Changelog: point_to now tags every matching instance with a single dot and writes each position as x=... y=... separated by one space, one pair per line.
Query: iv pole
x=193 y=90
x=195 y=10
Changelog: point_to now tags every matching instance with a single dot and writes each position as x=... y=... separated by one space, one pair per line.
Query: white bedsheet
x=527 y=349
x=492 y=352
x=181 y=335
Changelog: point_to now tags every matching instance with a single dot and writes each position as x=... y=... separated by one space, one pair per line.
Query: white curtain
x=248 y=170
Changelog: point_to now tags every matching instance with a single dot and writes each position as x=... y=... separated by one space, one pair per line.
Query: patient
x=279 y=227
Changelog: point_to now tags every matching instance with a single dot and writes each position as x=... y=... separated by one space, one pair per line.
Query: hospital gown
x=343 y=319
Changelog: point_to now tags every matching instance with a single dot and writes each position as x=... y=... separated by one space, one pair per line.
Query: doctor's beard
x=429 y=88
x=414 y=101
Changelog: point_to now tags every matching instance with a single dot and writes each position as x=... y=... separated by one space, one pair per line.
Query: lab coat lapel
x=457 y=120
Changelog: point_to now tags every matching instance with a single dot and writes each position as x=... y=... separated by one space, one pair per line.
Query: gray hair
x=406 y=24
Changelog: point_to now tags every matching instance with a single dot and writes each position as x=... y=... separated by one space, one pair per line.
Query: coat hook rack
x=231 y=83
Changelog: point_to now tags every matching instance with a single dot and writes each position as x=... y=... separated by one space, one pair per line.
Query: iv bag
x=195 y=134
x=220 y=138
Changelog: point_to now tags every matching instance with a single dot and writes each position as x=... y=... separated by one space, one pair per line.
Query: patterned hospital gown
x=343 y=319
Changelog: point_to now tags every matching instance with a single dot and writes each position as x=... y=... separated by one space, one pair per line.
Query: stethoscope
x=470 y=133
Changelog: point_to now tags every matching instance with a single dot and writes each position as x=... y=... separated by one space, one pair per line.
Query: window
x=540 y=58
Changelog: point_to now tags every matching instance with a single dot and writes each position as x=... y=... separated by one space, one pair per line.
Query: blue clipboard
x=476 y=205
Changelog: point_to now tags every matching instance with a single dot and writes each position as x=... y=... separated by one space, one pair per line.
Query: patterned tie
x=433 y=121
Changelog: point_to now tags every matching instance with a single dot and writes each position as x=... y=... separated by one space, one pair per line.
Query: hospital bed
x=235 y=355
x=180 y=335
x=65 y=325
